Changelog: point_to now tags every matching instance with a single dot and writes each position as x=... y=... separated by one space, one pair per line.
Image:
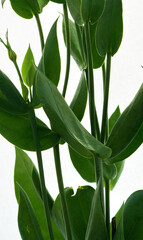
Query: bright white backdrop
x=126 y=78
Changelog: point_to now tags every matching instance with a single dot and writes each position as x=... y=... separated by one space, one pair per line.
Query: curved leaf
x=28 y=8
x=58 y=1
x=96 y=228
x=110 y=28
x=17 y=130
x=50 y=63
x=75 y=10
x=10 y=98
x=26 y=175
x=79 y=205
x=127 y=134
x=64 y=122
x=27 y=221
x=75 y=47
x=28 y=68
x=79 y=101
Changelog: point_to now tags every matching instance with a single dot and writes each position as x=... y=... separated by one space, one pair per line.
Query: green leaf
x=10 y=98
x=86 y=7
x=75 y=47
x=17 y=130
x=86 y=167
x=79 y=101
x=127 y=134
x=75 y=10
x=50 y=63
x=27 y=221
x=133 y=216
x=28 y=8
x=119 y=235
x=96 y=228
x=113 y=118
x=79 y=205
x=27 y=177
x=64 y=122
x=97 y=59
x=28 y=68
x=119 y=170
x=110 y=28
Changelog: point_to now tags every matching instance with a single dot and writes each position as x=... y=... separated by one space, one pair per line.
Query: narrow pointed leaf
x=75 y=10
x=17 y=130
x=79 y=205
x=75 y=47
x=113 y=118
x=96 y=228
x=79 y=101
x=27 y=177
x=119 y=234
x=28 y=8
x=27 y=221
x=28 y=68
x=50 y=63
x=64 y=122
x=127 y=134
x=10 y=98
x=110 y=28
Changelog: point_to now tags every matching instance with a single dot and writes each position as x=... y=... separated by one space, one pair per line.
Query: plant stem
x=92 y=108
x=106 y=97
x=67 y=34
x=103 y=76
x=41 y=171
x=18 y=71
x=40 y=31
x=107 y=202
x=80 y=40
x=61 y=190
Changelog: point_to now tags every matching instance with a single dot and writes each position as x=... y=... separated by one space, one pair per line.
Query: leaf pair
x=28 y=8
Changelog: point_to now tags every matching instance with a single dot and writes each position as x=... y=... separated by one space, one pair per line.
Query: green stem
x=61 y=190
x=40 y=31
x=103 y=76
x=106 y=97
x=18 y=71
x=67 y=34
x=80 y=40
x=41 y=171
x=92 y=108
x=107 y=201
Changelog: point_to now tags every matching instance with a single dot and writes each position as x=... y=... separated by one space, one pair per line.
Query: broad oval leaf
x=86 y=7
x=64 y=122
x=26 y=175
x=75 y=47
x=17 y=130
x=110 y=28
x=28 y=8
x=79 y=101
x=96 y=228
x=28 y=68
x=79 y=205
x=10 y=98
x=58 y=1
x=50 y=63
x=127 y=134
x=27 y=221
x=86 y=167
x=75 y=10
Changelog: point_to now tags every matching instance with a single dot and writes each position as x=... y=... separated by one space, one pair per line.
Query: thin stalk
x=107 y=202
x=41 y=171
x=61 y=190
x=40 y=31
x=106 y=97
x=92 y=108
x=103 y=76
x=67 y=33
x=18 y=71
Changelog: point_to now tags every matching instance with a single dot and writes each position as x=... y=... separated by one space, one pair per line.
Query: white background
x=126 y=78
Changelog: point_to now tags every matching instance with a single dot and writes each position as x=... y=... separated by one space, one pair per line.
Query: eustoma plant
x=92 y=37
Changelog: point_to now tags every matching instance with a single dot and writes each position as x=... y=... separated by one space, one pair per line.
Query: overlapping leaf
x=127 y=134
x=50 y=63
x=28 y=8
x=17 y=130
x=64 y=122
x=10 y=98
x=27 y=177
x=27 y=221
x=79 y=209
x=110 y=28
